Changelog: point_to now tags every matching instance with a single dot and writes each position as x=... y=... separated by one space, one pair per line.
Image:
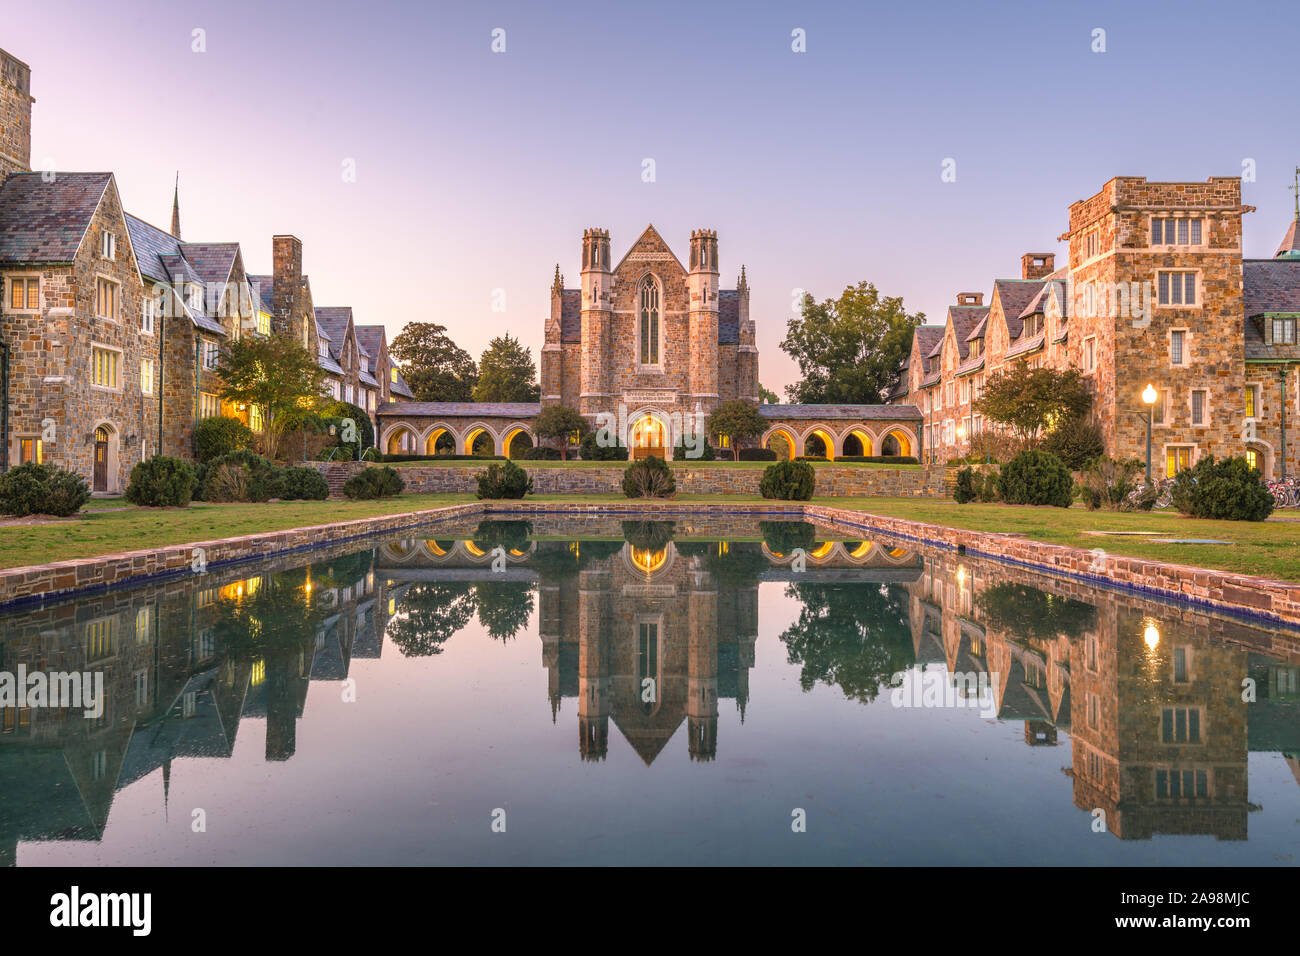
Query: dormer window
x=1284 y=331
x=1033 y=325
x=194 y=297
x=976 y=348
x=322 y=347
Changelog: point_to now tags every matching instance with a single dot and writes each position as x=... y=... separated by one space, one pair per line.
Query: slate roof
x=970 y=365
x=927 y=336
x=45 y=221
x=1015 y=294
x=334 y=320
x=213 y=261
x=728 y=316
x=464 y=409
x=1024 y=346
x=863 y=412
x=264 y=289
x=400 y=387
x=978 y=331
x=366 y=378
x=1270 y=285
x=151 y=244
x=1290 y=247
x=963 y=319
x=161 y=258
x=371 y=339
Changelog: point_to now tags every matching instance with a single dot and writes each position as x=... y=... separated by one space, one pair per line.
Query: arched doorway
x=516 y=443
x=401 y=441
x=896 y=443
x=819 y=443
x=480 y=442
x=440 y=442
x=103 y=442
x=647 y=436
x=781 y=442
x=857 y=444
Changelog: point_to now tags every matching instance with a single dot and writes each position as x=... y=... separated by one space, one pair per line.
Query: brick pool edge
x=1239 y=594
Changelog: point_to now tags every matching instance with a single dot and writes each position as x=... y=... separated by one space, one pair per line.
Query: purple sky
x=478 y=171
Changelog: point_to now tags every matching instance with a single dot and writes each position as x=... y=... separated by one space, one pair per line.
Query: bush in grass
x=882 y=459
x=1107 y=483
x=985 y=484
x=591 y=450
x=756 y=454
x=649 y=477
x=503 y=479
x=784 y=536
x=301 y=483
x=382 y=482
x=220 y=435
x=1227 y=489
x=1036 y=477
x=541 y=453
x=162 y=482
x=33 y=489
x=238 y=476
x=788 y=481
x=811 y=458
x=1076 y=441
x=965 y=490
x=702 y=452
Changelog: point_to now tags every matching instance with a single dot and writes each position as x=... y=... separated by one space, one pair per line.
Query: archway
x=857 y=444
x=819 y=443
x=479 y=441
x=104 y=460
x=401 y=441
x=648 y=435
x=516 y=442
x=781 y=441
x=896 y=442
x=440 y=441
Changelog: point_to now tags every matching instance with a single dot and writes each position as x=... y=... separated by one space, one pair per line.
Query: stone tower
x=15 y=116
x=702 y=298
x=597 y=320
x=747 y=350
x=552 y=359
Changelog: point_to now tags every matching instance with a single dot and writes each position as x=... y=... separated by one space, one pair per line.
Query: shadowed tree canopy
x=559 y=422
x=428 y=614
x=737 y=419
x=503 y=607
x=1030 y=401
x=435 y=367
x=275 y=374
x=850 y=350
x=507 y=373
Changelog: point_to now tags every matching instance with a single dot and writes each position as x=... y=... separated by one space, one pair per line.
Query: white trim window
x=107 y=245
x=211 y=353
x=209 y=405
x=148 y=315
x=1283 y=330
x=105 y=367
x=1200 y=406
x=1176 y=288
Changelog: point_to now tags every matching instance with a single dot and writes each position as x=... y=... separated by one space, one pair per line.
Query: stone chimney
x=1036 y=265
x=970 y=298
x=287 y=279
x=15 y=116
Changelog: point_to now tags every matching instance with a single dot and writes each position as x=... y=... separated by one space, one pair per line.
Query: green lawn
x=1267 y=548
x=1270 y=549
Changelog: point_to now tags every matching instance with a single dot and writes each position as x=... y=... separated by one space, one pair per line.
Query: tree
x=435 y=367
x=1030 y=401
x=274 y=374
x=850 y=350
x=767 y=397
x=559 y=421
x=507 y=373
x=737 y=419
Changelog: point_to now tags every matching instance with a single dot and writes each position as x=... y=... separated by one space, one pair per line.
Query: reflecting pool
x=706 y=690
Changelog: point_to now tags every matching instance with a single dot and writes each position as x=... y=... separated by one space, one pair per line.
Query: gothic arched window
x=649 y=351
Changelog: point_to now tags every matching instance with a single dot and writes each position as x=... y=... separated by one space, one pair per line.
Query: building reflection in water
x=648 y=626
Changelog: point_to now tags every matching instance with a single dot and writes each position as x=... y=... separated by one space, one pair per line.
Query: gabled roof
x=1014 y=295
x=335 y=321
x=398 y=385
x=45 y=221
x=161 y=258
x=927 y=337
x=371 y=339
x=213 y=261
x=649 y=230
x=151 y=244
x=1270 y=285
x=978 y=331
x=963 y=319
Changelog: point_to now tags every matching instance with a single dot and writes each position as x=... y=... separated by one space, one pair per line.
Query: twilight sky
x=478 y=171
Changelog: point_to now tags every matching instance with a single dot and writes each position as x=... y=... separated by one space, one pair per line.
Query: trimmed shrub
x=541 y=453
x=435 y=459
x=810 y=458
x=1077 y=442
x=1111 y=483
x=649 y=477
x=648 y=535
x=220 y=435
x=504 y=479
x=882 y=459
x=162 y=482
x=788 y=481
x=590 y=450
x=1036 y=477
x=220 y=483
x=985 y=484
x=1227 y=489
x=755 y=454
x=381 y=482
x=703 y=452
x=784 y=536
x=965 y=490
x=33 y=489
x=301 y=483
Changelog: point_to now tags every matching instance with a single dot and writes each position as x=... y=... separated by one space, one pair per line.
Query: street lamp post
x=1149 y=396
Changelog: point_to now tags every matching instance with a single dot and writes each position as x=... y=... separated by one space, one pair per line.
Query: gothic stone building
x=653 y=347
x=1155 y=291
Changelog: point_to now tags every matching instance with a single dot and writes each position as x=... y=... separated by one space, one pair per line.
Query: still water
x=706 y=691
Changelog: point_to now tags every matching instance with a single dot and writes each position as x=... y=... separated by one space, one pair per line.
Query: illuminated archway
x=649 y=434
x=401 y=440
x=512 y=438
x=856 y=444
x=472 y=436
x=860 y=549
x=897 y=442
x=440 y=436
x=815 y=435
x=781 y=441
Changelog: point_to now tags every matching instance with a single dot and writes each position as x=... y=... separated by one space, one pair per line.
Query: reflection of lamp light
x=1152 y=636
x=1149 y=396
x=961 y=575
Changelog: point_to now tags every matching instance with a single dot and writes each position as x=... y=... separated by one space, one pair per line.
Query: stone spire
x=742 y=284
x=558 y=284
x=176 y=208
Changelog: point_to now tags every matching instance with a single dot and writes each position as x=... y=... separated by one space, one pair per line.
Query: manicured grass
x=128 y=528
x=687 y=463
x=1267 y=548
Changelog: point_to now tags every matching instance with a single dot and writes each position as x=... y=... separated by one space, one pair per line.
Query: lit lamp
x=961 y=437
x=1149 y=396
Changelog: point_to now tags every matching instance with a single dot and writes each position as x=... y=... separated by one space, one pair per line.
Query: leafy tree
x=851 y=636
x=428 y=615
x=739 y=420
x=767 y=397
x=275 y=374
x=503 y=606
x=559 y=421
x=850 y=350
x=507 y=373
x=1030 y=401
x=435 y=367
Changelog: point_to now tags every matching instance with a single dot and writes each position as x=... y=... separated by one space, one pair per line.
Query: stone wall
x=844 y=481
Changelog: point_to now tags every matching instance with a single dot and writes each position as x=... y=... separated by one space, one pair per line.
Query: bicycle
x=1285 y=491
